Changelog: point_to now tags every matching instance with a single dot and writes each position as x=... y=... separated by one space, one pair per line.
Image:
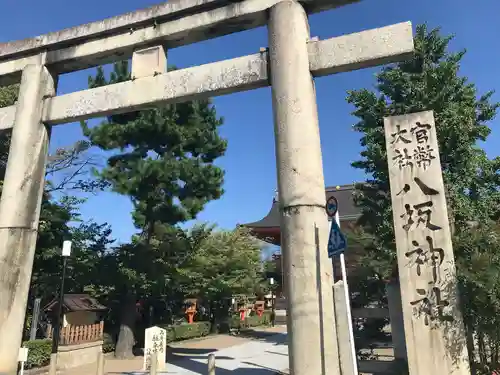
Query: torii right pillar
x=312 y=344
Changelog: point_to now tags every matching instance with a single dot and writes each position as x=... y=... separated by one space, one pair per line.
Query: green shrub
x=255 y=320
x=251 y=321
x=170 y=333
x=38 y=353
x=108 y=345
x=187 y=331
x=235 y=321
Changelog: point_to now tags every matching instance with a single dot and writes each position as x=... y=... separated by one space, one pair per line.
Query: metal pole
x=57 y=327
x=348 y=303
x=273 y=307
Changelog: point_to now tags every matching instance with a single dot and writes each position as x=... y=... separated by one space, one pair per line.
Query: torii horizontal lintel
x=340 y=54
x=173 y=24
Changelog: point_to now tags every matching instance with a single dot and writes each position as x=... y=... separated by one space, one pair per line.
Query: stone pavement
x=257 y=352
x=261 y=351
x=261 y=356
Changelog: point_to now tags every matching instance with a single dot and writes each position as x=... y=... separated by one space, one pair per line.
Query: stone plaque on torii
x=288 y=65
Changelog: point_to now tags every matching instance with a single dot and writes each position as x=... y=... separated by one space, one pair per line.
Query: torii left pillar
x=20 y=208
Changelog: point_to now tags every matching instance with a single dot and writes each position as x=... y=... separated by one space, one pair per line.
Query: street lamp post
x=273 y=312
x=66 y=252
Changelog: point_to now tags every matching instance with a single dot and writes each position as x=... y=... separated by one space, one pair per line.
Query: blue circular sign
x=331 y=206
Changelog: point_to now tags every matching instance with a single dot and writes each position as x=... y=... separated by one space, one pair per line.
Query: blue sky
x=249 y=162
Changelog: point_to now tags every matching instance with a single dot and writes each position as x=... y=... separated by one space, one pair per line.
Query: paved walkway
x=258 y=352
x=265 y=355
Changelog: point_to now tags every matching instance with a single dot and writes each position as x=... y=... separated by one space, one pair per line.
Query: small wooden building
x=82 y=330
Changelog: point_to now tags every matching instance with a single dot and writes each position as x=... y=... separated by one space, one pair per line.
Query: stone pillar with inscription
x=155 y=342
x=435 y=336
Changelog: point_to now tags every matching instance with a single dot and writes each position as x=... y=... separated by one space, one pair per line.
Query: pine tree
x=431 y=81
x=166 y=159
x=164 y=162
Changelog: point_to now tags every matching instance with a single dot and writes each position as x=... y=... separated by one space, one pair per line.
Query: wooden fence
x=72 y=335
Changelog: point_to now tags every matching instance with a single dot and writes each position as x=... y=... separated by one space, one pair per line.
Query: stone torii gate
x=288 y=66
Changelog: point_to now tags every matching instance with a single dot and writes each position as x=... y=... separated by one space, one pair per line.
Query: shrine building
x=268 y=228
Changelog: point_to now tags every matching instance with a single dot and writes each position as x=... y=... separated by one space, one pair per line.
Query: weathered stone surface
x=343 y=330
x=155 y=342
x=301 y=182
x=435 y=337
x=223 y=77
x=95 y=29
x=71 y=356
x=149 y=62
x=393 y=292
x=308 y=271
x=7 y=116
x=397 y=322
x=20 y=209
x=173 y=23
x=361 y=50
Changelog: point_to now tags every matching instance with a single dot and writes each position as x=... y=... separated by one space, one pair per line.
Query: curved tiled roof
x=347 y=209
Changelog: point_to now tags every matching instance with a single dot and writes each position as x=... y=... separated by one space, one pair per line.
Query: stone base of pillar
x=343 y=334
x=397 y=322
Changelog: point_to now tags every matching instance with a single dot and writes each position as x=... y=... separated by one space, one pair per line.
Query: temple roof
x=77 y=302
x=347 y=209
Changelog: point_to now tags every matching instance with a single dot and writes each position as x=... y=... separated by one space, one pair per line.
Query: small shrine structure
x=82 y=332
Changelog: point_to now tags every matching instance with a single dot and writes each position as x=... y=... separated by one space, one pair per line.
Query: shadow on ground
x=191 y=359
x=271 y=337
x=201 y=368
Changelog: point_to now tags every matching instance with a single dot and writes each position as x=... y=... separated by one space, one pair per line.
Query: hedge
x=251 y=321
x=38 y=353
x=187 y=331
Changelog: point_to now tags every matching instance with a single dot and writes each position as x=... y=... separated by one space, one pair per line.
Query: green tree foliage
x=89 y=243
x=222 y=264
x=67 y=169
x=8 y=96
x=431 y=81
x=478 y=263
x=164 y=162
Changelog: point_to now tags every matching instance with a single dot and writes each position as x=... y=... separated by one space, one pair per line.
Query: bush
x=38 y=353
x=108 y=345
x=187 y=331
x=251 y=321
